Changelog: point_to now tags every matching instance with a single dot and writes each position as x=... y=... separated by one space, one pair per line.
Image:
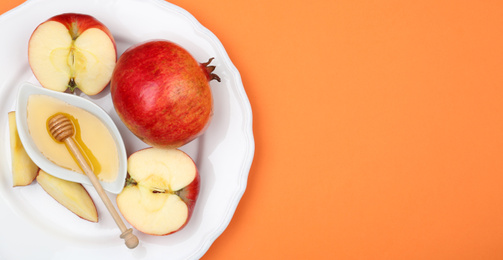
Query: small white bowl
x=28 y=89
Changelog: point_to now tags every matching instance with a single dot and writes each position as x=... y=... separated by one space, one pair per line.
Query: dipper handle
x=61 y=128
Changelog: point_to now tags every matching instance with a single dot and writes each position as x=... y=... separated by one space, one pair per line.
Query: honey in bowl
x=91 y=135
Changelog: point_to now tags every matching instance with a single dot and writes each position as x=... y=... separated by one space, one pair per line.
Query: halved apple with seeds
x=161 y=190
x=71 y=195
x=24 y=170
x=72 y=51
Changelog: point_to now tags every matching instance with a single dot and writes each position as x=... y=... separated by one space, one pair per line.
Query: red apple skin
x=189 y=195
x=78 y=23
x=162 y=94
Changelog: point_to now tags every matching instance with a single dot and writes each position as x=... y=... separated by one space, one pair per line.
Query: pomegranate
x=162 y=94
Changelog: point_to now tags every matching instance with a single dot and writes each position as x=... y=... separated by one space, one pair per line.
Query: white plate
x=34 y=226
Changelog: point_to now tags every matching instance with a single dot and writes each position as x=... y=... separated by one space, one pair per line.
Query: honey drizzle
x=88 y=154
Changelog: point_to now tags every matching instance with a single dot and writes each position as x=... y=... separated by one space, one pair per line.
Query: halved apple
x=72 y=51
x=72 y=195
x=24 y=170
x=161 y=190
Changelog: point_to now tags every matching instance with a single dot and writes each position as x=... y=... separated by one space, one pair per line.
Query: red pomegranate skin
x=162 y=94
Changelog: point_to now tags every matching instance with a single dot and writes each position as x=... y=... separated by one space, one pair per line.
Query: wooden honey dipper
x=62 y=129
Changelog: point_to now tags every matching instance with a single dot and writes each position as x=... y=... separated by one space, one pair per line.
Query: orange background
x=378 y=127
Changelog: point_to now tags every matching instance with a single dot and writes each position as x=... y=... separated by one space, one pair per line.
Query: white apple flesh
x=24 y=170
x=71 y=195
x=72 y=51
x=161 y=192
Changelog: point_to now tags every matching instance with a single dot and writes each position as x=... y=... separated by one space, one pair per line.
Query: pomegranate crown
x=209 y=70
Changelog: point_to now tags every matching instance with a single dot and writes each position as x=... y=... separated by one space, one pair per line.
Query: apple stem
x=72 y=85
x=74 y=31
x=130 y=181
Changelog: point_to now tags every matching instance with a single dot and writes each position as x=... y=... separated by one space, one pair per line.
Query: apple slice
x=161 y=190
x=24 y=170
x=72 y=195
x=72 y=51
